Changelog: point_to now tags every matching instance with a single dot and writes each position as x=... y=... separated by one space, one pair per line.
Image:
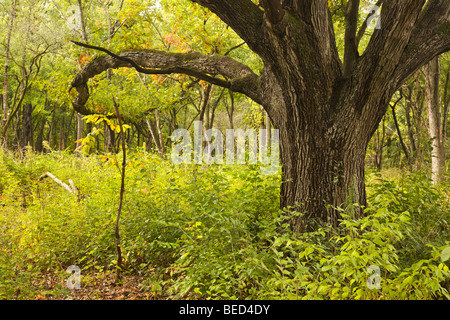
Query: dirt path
x=101 y=286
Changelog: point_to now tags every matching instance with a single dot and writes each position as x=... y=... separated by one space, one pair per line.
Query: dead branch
x=71 y=189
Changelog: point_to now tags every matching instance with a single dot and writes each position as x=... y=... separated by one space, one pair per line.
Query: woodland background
x=193 y=232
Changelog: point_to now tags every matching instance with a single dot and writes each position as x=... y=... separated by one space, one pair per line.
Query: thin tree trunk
x=38 y=144
x=213 y=111
x=162 y=148
x=62 y=129
x=51 y=129
x=230 y=110
x=122 y=191
x=206 y=97
x=434 y=121
x=268 y=130
x=445 y=122
x=5 y=74
x=153 y=134
x=412 y=140
x=418 y=108
x=80 y=121
x=27 y=130
x=399 y=133
x=17 y=134
x=379 y=145
x=446 y=108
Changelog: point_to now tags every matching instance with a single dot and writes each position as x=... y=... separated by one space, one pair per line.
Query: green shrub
x=216 y=232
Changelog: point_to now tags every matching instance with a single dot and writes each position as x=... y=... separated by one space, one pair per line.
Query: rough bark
x=206 y=67
x=326 y=111
x=351 y=47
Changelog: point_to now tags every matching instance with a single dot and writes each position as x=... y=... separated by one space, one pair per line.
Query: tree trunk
x=434 y=120
x=80 y=121
x=5 y=74
x=157 y=139
x=162 y=148
x=108 y=138
x=412 y=140
x=400 y=137
x=379 y=144
x=446 y=107
x=268 y=124
x=27 y=129
x=38 y=147
x=17 y=137
x=319 y=172
x=51 y=129
x=230 y=109
x=62 y=131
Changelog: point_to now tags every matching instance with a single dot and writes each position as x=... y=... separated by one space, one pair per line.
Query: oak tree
x=326 y=108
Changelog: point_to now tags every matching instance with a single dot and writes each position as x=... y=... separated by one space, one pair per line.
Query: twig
x=122 y=190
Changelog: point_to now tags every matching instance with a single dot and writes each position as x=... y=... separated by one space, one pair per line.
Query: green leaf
x=326 y=268
x=445 y=254
x=308 y=251
x=408 y=280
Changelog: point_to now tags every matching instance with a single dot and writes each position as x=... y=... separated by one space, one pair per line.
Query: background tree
x=434 y=119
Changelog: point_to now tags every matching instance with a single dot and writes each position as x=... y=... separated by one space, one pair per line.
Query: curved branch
x=430 y=37
x=408 y=38
x=234 y=75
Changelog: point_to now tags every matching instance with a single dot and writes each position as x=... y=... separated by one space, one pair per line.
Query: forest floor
x=100 y=286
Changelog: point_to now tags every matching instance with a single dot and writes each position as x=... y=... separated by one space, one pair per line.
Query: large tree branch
x=430 y=37
x=351 y=49
x=234 y=75
x=375 y=69
x=412 y=33
x=273 y=10
x=307 y=42
x=243 y=16
x=320 y=30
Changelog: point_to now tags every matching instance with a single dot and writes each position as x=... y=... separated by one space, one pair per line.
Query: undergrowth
x=216 y=232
